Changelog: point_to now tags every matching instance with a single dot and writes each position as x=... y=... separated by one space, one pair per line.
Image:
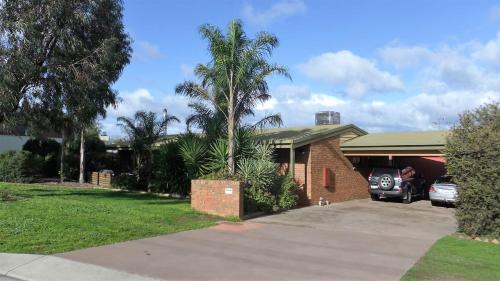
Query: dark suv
x=394 y=182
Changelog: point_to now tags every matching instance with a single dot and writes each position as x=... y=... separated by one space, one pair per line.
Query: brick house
x=314 y=157
x=332 y=162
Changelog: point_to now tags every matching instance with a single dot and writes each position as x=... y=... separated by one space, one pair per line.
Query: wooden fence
x=101 y=179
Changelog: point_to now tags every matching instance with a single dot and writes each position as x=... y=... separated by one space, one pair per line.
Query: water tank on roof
x=327 y=118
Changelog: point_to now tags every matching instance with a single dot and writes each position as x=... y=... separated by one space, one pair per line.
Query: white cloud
x=142 y=99
x=277 y=11
x=420 y=112
x=291 y=92
x=358 y=75
x=267 y=105
x=148 y=51
x=324 y=100
x=469 y=66
x=488 y=52
x=440 y=83
x=131 y=102
x=401 y=56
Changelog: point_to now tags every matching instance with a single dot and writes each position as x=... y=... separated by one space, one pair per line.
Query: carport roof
x=296 y=137
x=428 y=140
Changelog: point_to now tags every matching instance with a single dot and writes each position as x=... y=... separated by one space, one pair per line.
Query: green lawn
x=451 y=258
x=45 y=220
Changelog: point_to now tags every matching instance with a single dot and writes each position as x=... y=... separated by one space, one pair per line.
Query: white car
x=444 y=190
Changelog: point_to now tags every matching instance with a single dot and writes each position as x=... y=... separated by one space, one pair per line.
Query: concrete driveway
x=356 y=240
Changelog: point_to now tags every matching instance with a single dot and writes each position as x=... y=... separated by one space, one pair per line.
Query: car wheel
x=375 y=197
x=386 y=182
x=408 y=198
x=434 y=203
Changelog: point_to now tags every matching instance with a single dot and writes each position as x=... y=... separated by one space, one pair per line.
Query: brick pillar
x=217 y=197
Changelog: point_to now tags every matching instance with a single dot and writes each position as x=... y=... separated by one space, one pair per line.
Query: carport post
x=291 y=169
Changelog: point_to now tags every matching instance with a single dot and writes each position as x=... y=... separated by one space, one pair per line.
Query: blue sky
x=385 y=65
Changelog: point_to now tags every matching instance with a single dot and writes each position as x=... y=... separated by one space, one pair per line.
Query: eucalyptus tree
x=59 y=59
x=233 y=82
x=143 y=131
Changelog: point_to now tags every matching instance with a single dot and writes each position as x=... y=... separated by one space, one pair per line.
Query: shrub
x=125 y=181
x=48 y=150
x=218 y=155
x=193 y=151
x=19 y=166
x=169 y=173
x=261 y=178
x=473 y=158
x=289 y=193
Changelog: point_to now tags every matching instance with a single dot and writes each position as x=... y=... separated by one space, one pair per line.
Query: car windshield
x=445 y=179
x=378 y=172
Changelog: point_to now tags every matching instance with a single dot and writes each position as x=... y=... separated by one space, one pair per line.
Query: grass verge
x=46 y=220
x=451 y=258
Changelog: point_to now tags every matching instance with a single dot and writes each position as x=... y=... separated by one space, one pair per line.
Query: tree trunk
x=81 y=178
x=230 y=134
x=149 y=168
x=61 y=163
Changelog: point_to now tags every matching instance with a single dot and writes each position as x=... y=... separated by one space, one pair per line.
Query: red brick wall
x=345 y=182
x=210 y=196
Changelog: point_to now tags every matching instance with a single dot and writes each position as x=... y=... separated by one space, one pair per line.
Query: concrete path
x=14 y=267
x=7 y=278
x=356 y=240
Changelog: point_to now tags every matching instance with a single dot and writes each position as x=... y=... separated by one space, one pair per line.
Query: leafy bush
x=125 y=181
x=169 y=172
x=289 y=193
x=193 y=151
x=19 y=166
x=259 y=173
x=473 y=158
x=260 y=179
x=48 y=150
x=245 y=143
x=218 y=155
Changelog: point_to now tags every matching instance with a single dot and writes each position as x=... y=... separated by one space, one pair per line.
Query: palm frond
x=193 y=152
x=273 y=120
x=218 y=154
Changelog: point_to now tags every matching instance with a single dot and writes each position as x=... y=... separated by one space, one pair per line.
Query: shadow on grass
x=171 y=202
x=9 y=196
x=105 y=194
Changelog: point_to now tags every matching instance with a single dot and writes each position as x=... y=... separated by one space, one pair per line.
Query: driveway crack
x=26 y=263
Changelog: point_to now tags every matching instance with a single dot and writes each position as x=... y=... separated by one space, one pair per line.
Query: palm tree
x=233 y=82
x=143 y=131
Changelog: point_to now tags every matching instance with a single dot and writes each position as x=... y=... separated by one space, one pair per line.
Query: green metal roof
x=398 y=141
x=286 y=137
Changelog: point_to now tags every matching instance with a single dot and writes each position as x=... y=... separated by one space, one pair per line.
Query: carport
x=422 y=150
